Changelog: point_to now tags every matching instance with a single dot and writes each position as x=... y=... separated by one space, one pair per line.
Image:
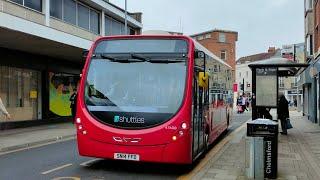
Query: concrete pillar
x=299 y=103
x=46 y=8
x=103 y=30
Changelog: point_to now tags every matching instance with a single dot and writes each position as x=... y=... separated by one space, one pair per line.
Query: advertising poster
x=62 y=86
x=266 y=87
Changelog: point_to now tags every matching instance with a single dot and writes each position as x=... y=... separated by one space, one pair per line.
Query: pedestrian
x=283 y=113
x=73 y=104
x=3 y=110
x=239 y=105
x=295 y=102
x=244 y=103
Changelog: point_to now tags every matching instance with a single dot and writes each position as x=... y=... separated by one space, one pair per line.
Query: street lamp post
x=125 y=21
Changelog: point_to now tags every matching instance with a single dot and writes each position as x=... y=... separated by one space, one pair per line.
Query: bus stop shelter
x=265 y=82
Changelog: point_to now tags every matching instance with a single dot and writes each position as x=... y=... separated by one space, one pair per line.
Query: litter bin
x=268 y=130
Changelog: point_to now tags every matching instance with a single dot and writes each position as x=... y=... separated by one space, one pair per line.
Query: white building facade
x=41 y=44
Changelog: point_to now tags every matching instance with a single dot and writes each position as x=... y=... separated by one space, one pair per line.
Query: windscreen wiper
x=167 y=61
x=139 y=57
x=134 y=58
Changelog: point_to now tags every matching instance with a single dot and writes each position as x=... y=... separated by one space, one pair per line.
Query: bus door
x=200 y=108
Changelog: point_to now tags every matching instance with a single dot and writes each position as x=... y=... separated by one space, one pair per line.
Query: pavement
x=16 y=139
x=299 y=154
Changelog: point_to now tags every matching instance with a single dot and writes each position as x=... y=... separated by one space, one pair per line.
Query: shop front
x=36 y=89
x=20 y=92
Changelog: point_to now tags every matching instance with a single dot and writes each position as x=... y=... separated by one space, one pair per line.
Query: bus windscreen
x=128 y=92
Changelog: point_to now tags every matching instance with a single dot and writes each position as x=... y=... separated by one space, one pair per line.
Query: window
x=76 y=13
x=19 y=91
x=18 y=1
x=114 y=27
x=94 y=22
x=208 y=36
x=281 y=83
x=56 y=9
x=215 y=68
x=33 y=4
x=308 y=5
x=83 y=16
x=222 y=37
x=223 y=55
x=200 y=38
x=309 y=45
x=69 y=11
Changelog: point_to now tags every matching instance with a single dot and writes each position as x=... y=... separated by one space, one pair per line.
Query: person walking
x=283 y=113
x=73 y=104
x=3 y=110
x=244 y=103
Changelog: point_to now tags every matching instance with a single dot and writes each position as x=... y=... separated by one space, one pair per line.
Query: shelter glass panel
x=266 y=87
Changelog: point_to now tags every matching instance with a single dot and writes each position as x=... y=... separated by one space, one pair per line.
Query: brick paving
x=298 y=153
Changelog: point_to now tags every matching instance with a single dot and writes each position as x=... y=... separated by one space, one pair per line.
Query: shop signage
x=33 y=94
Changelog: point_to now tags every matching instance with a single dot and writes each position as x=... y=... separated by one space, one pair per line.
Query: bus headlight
x=78 y=120
x=184 y=125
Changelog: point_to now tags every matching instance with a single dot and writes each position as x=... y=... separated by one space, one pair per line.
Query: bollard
x=255 y=158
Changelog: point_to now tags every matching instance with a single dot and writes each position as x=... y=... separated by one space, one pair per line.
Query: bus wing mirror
x=203 y=79
x=199 y=54
x=200 y=60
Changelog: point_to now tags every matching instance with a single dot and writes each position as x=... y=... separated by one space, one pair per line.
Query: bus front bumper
x=178 y=152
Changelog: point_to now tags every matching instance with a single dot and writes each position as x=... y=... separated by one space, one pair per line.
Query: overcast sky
x=260 y=23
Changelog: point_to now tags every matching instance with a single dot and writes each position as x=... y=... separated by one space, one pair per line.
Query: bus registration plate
x=130 y=157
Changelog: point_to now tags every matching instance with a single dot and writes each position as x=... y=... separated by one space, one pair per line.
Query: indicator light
x=181 y=133
x=184 y=125
x=84 y=132
x=174 y=138
x=78 y=120
x=80 y=127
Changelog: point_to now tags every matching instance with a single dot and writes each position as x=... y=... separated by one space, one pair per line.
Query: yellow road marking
x=211 y=154
x=56 y=169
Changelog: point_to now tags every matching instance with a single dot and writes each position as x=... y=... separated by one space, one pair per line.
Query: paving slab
x=11 y=140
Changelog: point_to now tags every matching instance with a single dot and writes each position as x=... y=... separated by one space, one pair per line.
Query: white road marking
x=56 y=169
x=87 y=163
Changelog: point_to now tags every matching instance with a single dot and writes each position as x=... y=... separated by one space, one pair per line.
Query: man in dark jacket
x=73 y=104
x=283 y=113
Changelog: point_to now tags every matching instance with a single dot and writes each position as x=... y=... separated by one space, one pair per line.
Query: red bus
x=152 y=98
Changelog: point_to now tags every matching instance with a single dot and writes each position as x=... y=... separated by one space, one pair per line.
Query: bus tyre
x=228 y=120
x=206 y=141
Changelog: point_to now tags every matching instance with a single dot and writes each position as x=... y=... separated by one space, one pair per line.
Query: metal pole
x=243 y=86
x=296 y=80
x=125 y=21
